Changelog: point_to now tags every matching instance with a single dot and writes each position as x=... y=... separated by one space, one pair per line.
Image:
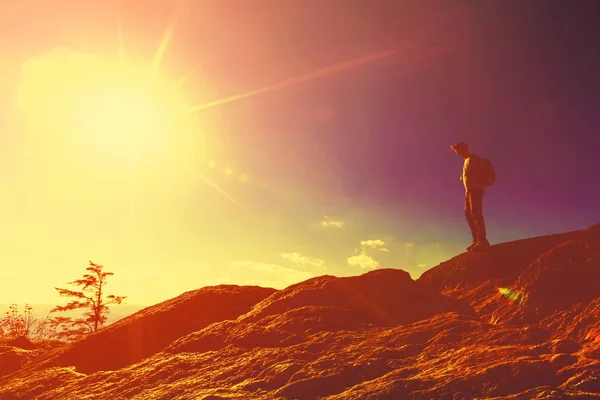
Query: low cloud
x=326 y=222
x=364 y=261
x=377 y=245
x=422 y=265
x=337 y=224
x=266 y=274
x=303 y=261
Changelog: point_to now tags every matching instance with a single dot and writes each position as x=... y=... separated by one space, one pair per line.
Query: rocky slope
x=517 y=322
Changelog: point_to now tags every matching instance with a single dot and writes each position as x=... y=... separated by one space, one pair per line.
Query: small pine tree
x=90 y=296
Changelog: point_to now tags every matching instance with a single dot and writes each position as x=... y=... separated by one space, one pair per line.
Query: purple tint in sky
x=516 y=80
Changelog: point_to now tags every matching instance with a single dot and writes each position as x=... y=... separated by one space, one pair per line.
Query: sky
x=190 y=143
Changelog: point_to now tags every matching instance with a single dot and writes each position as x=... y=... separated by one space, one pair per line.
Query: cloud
x=266 y=274
x=326 y=222
x=337 y=224
x=409 y=245
x=303 y=261
x=422 y=265
x=364 y=261
x=377 y=245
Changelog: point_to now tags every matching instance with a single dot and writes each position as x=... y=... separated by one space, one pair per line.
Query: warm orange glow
x=112 y=146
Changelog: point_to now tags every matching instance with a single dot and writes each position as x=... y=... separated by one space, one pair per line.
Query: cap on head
x=460 y=147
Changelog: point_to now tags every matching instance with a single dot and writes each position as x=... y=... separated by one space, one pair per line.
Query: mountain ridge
x=517 y=322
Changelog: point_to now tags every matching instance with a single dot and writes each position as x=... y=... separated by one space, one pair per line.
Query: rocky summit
x=520 y=321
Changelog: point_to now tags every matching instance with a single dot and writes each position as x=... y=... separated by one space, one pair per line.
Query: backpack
x=489 y=175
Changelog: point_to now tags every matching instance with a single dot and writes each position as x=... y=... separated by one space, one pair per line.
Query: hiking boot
x=481 y=246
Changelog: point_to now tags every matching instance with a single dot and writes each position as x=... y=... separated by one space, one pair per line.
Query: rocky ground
x=517 y=322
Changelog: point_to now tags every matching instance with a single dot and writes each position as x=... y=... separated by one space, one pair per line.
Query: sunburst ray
x=330 y=70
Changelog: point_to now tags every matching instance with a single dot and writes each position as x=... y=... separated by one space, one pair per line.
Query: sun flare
x=104 y=107
x=123 y=121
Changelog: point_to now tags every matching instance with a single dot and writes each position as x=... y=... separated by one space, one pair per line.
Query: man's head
x=462 y=149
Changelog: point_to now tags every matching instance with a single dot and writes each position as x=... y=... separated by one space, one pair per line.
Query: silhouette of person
x=473 y=180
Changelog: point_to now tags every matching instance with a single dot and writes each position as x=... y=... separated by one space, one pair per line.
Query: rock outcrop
x=150 y=330
x=517 y=322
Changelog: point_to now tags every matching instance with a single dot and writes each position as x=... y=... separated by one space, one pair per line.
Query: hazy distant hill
x=41 y=310
x=520 y=321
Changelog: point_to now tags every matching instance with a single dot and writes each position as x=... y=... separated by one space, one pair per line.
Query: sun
x=113 y=108
x=121 y=122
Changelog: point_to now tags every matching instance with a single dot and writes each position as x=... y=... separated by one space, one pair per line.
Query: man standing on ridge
x=477 y=174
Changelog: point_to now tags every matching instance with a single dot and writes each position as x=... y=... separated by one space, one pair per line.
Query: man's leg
x=477 y=213
x=470 y=220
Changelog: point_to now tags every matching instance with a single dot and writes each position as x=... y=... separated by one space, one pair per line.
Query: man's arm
x=466 y=168
x=468 y=164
